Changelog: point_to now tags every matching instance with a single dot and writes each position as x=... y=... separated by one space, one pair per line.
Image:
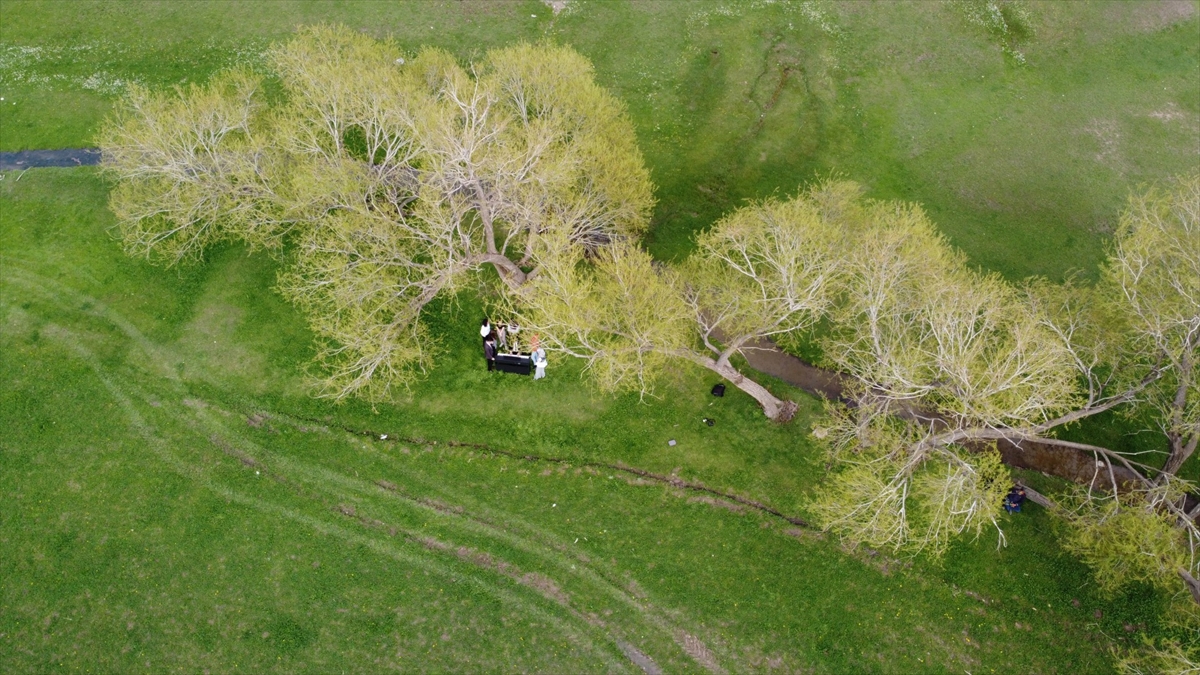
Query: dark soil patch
x=29 y=159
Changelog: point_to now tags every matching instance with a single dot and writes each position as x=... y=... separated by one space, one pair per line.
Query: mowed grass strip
x=177 y=508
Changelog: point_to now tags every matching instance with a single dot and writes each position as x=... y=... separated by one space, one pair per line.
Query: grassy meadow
x=175 y=500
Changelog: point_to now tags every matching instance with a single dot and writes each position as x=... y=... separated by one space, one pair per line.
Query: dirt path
x=765 y=357
x=29 y=159
x=672 y=480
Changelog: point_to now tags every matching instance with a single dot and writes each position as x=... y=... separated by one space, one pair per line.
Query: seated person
x=1014 y=499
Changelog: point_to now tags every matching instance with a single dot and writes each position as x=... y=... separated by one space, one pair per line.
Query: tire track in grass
x=691 y=645
x=426 y=563
x=480 y=558
x=543 y=541
x=644 y=604
x=551 y=552
x=579 y=633
x=158 y=358
x=100 y=310
x=91 y=306
x=673 y=481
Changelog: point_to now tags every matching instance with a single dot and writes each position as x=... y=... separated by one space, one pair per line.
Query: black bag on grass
x=718 y=389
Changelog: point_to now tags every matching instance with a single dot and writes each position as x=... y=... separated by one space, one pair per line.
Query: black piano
x=521 y=364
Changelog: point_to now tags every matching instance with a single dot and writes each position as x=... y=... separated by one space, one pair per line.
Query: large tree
x=394 y=175
x=946 y=361
x=939 y=358
x=765 y=271
x=193 y=167
x=1149 y=297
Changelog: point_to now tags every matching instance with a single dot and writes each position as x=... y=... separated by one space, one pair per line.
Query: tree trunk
x=1180 y=452
x=778 y=410
x=509 y=272
x=1038 y=498
x=1192 y=584
x=1182 y=447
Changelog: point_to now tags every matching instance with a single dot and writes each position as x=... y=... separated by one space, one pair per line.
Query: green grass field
x=176 y=501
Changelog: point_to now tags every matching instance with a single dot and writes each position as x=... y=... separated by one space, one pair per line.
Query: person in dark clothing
x=489 y=351
x=1014 y=499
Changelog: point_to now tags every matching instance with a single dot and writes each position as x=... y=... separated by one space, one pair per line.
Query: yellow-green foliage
x=399 y=175
x=1176 y=653
x=1152 y=278
x=881 y=497
x=1160 y=657
x=940 y=356
x=370 y=339
x=955 y=495
x=772 y=268
x=594 y=178
x=917 y=325
x=864 y=505
x=624 y=317
x=192 y=167
x=1127 y=539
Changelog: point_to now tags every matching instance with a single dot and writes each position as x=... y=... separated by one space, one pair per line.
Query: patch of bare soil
x=535 y=580
x=1109 y=137
x=639 y=659
x=441 y=507
x=1148 y=17
x=1169 y=113
x=803 y=534
x=719 y=503
x=699 y=652
x=544 y=585
x=555 y=6
x=228 y=449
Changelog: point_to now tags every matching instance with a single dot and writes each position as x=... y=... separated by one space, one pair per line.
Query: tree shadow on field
x=759 y=109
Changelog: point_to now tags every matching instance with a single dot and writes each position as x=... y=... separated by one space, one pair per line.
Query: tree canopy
x=766 y=270
x=946 y=361
x=395 y=176
x=391 y=177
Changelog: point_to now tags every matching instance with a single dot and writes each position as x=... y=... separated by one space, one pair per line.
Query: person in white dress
x=539 y=359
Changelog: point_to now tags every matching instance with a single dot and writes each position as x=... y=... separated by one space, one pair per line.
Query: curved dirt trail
x=541 y=582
